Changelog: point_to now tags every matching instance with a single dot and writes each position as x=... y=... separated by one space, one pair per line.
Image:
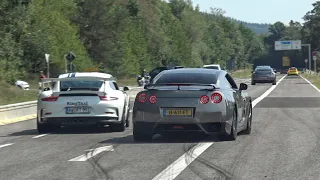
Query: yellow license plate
x=178 y=112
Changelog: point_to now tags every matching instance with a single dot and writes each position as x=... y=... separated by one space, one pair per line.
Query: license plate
x=178 y=112
x=78 y=110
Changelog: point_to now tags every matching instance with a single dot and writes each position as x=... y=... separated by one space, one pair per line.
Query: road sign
x=306 y=60
x=285 y=61
x=47 y=57
x=70 y=57
x=287 y=45
x=314 y=53
x=93 y=69
x=314 y=58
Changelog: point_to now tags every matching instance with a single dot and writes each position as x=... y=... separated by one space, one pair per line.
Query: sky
x=260 y=11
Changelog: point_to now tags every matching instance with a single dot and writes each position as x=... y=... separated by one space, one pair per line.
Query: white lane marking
x=92 y=152
x=310 y=83
x=265 y=94
x=5 y=145
x=39 y=136
x=173 y=170
x=180 y=164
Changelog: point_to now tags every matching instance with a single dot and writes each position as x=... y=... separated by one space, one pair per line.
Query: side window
x=114 y=85
x=231 y=82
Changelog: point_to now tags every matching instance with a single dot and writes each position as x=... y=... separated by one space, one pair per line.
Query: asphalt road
x=284 y=144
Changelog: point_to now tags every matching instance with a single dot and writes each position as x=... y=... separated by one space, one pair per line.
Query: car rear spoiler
x=213 y=86
x=50 y=81
x=98 y=93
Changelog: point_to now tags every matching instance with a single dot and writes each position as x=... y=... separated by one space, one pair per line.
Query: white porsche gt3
x=82 y=99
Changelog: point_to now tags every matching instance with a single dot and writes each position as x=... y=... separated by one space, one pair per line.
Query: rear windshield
x=264 y=70
x=196 y=78
x=65 y=85
x=212 y=67
x=293 y=69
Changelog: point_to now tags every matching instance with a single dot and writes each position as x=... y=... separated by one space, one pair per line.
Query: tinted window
x=211 y=67
x=293 y=69
x=80 y=84
x=264 y=69
x=200 y=78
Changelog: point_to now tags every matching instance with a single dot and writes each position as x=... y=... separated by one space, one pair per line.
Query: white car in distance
x=85 y=98
x=212 y=66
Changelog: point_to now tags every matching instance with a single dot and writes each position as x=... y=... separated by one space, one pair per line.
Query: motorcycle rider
x=144 y=73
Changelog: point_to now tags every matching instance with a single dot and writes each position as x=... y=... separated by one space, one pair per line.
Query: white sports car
x=82 y=99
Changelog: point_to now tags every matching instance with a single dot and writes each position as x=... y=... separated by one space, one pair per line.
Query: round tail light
x=142 y=97
x=204 y=99
x=216 y=98
x=153 y=99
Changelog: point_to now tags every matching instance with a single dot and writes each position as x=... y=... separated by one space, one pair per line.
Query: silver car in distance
x=192 y=100
x=82 y=99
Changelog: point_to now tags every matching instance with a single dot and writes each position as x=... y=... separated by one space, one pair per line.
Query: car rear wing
x=208 y=86
x=50 y=81
x=98 y=93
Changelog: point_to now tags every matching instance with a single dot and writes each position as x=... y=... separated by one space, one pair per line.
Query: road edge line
x=179 y=165
x=315 y=87
x=18 y=119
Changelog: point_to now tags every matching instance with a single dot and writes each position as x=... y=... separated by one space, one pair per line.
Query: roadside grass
x=241 y=73
x=127 y=82
x=313 y=78
x=10 y=94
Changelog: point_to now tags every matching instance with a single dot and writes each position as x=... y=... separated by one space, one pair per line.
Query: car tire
x=274 y=82
x=249 y=121
x=45 y=128
x=119 y=127
x=233 y=135
x=127 y=118
x=141 y=137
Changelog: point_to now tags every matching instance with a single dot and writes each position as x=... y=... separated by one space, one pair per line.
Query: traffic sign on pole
x=306 y=60
x=314 y=58
x=70 y=57
x=314 y=53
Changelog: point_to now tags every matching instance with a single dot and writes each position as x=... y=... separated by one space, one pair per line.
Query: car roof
x=86 y=74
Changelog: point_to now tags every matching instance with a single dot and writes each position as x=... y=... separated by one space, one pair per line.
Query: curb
x=18 y=119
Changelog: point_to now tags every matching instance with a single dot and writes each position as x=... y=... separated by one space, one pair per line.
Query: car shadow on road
x=160 y=139
x=64 y=130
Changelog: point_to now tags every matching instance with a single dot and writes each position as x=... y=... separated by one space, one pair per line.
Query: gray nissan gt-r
x=192 y=100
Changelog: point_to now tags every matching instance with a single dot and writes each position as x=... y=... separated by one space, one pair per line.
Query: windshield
x=264 y=70
x=193 y=78
x=211 y=67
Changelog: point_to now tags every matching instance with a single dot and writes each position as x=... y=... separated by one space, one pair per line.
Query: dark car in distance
x=153 y=73
x=263 y=75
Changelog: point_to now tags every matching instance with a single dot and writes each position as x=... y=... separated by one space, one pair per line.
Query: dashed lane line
x=5 y=145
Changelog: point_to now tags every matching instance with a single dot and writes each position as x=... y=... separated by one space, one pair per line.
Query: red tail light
x=216 y=98
x=142 y=97
x=108 y=98
x=50 y=98
x=204 y=99
x=153 y=99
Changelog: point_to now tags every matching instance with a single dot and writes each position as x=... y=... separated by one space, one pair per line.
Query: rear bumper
x=293 y=73
x=162 y=128
x=79 y=121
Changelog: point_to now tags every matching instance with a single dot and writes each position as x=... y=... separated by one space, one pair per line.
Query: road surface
x=284 y=144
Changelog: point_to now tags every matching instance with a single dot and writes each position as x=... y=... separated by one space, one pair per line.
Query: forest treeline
x=126 y=36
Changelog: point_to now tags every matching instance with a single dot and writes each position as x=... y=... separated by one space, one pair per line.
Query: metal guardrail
x=18 y=106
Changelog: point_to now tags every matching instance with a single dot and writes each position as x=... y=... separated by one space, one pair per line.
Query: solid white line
x=92 y=152
x=39 y=136
x=5 y=145
x=310 y=83
x=173 y=170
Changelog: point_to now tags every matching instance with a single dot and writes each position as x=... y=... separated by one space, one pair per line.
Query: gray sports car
x=192 y=100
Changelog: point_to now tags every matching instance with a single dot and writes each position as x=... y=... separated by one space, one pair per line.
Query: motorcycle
x=142 y=81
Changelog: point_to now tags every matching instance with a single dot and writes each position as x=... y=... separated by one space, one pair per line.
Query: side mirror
x=243 y=86
x=125 y=88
